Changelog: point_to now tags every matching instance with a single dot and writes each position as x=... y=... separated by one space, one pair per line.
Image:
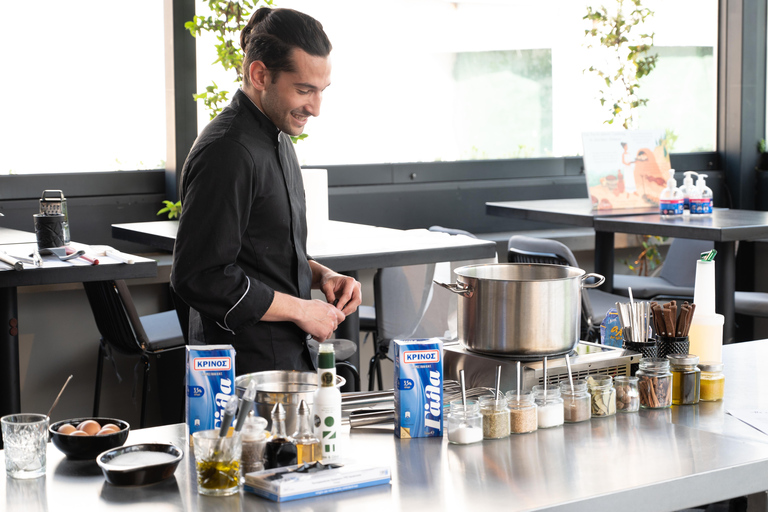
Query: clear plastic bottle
x=523 y=414
x=327 y=405
x=702 y=205
x=254 y=443
x=603 y=395
x=465 y=423
x=627 y=395
x=671 y=200
x=686 y=378
x=712 y=381
x=549 y=406
x=495 y=417
x=688 y=189
x=654 y=383
x=576 y=401
x=307 y=443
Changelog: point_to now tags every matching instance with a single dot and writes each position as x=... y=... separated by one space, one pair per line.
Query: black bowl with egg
x=90 y=446
x=140 y=464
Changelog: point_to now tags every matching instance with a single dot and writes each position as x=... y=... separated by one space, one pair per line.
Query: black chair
x=123 y=331
x=594 y=303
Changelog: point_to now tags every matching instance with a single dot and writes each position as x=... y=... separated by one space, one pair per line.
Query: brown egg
x=110 y=426
x=90 y=427
x=105 y=432
x=66 y=428
x=78 y=433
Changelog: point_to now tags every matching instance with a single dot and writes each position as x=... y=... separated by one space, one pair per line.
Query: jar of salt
x=576 y=401
x=495 y=417
x=465 y=423
x=523 y=417
x=549 y=406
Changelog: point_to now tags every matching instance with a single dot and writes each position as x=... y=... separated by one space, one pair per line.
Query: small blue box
x=418 y=388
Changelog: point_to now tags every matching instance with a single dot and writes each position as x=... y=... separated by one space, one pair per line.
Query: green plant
x=650 y=257
x=625 y=56
x=172 y=209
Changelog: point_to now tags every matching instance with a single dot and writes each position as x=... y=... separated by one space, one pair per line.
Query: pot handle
x=458 y=288
x=600 y=280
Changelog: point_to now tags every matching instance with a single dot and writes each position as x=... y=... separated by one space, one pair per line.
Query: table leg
x=725 y=279
x=10 y=398
x=349 y=329
x=604 y=258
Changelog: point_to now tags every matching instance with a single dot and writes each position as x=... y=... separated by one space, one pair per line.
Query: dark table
x=346 y=247
x=724 y=228
x=21 y=243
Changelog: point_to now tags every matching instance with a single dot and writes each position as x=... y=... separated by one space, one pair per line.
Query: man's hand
x=319 y=319
x=344 y=292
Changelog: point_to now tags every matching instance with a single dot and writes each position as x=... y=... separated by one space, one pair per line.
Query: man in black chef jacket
x=240 y=258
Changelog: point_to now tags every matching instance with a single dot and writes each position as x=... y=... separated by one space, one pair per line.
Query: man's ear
x=258 y=75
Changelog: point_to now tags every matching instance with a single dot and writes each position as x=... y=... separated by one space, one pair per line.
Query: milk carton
x=418 y=388
x=210 y=383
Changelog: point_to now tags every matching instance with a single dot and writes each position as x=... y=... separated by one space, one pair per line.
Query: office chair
x=594 y=303
x=677 y=275
x=124 y=331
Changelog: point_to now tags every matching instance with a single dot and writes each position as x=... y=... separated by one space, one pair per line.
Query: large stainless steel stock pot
x=520 y=309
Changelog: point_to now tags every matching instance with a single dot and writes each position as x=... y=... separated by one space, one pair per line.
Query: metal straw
x=545 y=379
x=463 y=390
x=568 y=365
x=498 y=380
x=59 y=396
x=519 y=379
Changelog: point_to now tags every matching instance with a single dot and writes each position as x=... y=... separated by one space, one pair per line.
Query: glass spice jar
x=654 y=383
x=627 y=395
x=523 y=415
x=712 y=381
x=465 y=424
x=686 y=378
x=495 y=417
x=603 y=395
x=549 y=406
x=577 y=402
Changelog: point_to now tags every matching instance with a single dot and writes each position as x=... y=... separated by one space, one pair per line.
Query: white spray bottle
x=671 y=199
x=702 y=205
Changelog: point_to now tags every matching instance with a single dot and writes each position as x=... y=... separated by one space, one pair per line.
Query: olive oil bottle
x=307 y=444
x=280 y=450
x=327 y=405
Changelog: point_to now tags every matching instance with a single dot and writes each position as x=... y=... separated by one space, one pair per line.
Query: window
x=434 y=80
x=83 y=86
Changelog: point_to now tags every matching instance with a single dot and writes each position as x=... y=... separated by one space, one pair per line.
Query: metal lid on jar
x=683 y=359
x=711 y=366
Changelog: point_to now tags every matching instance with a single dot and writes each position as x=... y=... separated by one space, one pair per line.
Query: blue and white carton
x=418 y=388
x=210 y=383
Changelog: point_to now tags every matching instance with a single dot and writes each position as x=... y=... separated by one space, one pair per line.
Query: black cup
x=49 y=230
x=646 y=348
x=666 y=345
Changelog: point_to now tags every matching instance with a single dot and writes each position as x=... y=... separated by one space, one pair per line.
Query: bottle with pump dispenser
x=307 y=444
x=327 y=405
x=703 y=204
x=280 y=450
x=688 y=189
x=671 y=199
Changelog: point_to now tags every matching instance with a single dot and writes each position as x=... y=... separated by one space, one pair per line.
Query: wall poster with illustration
x=625 y=169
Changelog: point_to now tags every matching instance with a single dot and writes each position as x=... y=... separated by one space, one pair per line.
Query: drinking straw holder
x=648 y=349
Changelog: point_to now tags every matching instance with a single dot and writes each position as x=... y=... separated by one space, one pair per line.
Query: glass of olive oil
x=217 y=460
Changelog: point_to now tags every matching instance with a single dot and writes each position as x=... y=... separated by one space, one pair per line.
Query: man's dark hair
x=272 y=34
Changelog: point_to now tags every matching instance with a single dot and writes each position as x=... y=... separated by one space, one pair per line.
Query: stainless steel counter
x=651 y=460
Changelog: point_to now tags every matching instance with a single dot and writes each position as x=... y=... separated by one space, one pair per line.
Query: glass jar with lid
x=686 y=378
x=523 y=415
x=576 y=401
x=465 y=424
x=549 y=406
x=603 y=395
x=712 y=381
x=495 y=417
x=654 y=383
x=627 y=395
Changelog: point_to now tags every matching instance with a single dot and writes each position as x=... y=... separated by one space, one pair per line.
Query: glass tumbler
x=26 y=440
x=217 y=460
